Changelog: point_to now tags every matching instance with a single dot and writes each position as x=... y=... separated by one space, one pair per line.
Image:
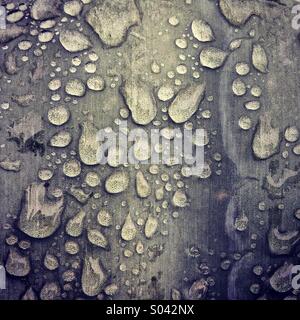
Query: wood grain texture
x=202 y=243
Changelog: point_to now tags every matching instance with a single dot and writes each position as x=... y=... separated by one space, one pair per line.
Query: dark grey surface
x=208 y=222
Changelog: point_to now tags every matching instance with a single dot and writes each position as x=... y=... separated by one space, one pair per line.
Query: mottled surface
x=232 y=233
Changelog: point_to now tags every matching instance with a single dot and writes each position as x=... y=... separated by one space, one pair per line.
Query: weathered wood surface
x=202 y=243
